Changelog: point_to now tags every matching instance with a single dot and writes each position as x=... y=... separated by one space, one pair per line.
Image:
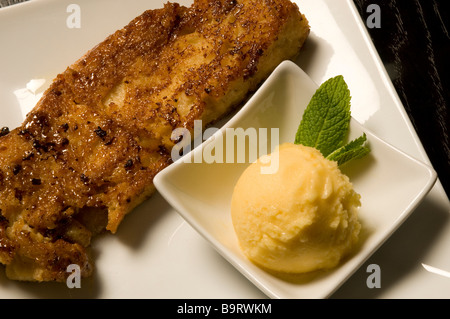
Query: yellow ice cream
x=299 y=219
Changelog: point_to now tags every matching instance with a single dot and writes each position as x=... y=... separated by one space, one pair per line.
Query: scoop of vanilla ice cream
x=301 y=218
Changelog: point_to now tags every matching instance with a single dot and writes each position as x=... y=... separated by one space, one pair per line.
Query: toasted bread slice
x=87 y=154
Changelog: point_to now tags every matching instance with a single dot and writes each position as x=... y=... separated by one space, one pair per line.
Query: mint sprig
x=326 y=122
x=353 y=150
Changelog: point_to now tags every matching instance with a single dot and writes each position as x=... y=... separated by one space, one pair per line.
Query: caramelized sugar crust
x=87 y=154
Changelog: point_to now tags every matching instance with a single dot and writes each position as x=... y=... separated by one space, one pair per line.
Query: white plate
x=390 y=182
x=155 y=253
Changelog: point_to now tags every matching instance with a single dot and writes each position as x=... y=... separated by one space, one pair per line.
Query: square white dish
x=390 y=182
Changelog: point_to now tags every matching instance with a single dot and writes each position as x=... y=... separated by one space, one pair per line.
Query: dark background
x=414 y=45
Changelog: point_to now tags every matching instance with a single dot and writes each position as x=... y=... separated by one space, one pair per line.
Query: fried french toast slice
x=86 y=155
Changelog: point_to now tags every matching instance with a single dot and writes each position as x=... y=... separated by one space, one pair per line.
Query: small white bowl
x=390 y=182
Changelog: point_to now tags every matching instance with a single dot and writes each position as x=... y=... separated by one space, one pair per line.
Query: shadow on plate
x=90 y=288
x=315 y=57
x=413 y=239
x=140 y=222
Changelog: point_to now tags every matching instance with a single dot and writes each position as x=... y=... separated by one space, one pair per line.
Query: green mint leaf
x=353 y=150
x=326 y=120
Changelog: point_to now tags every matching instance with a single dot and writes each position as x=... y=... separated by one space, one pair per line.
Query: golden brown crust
x=6 y=245
x=102 y=130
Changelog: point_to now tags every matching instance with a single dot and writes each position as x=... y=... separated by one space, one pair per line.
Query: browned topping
x=4 y=131
x=100 y=133
x=87 y=154
x=129 y=164
x=84 y=178
x=17 y=168
x=6 y=245
x=65 y=127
